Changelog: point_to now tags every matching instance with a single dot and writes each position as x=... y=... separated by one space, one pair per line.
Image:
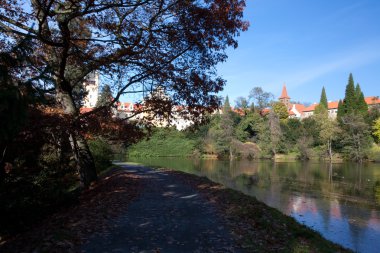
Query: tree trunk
x=3 y=151
x=329 y=147
x=84 y=161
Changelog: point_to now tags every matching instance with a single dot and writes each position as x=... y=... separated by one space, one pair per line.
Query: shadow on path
x=167 y=217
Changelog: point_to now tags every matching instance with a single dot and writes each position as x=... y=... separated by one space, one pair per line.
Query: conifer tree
x=341 y=110
x=105 y=96
x=322 y=108
x=226 y=106
x=323 y=100
x=361 y=105
x=350 y=100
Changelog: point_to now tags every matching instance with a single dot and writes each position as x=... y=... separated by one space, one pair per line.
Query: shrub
x=101 y=152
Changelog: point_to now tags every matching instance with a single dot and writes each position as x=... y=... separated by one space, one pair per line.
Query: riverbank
x=259 y=228
x=255 y=227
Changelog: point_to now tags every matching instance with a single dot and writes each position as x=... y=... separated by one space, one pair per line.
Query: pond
x=341 y=201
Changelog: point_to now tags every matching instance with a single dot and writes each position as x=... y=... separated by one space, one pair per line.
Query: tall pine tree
x=226 y=106
x=361 y=105
x=350 y=101
x=341 y=111
x=323 y=100
x=105 y=96
x=322 y=108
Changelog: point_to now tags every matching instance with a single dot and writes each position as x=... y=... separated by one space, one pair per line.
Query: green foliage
x=248 y=128
x=323 y=100
x=361 y=105
x=350 y=100
x=341 y=111
x=164 y=142
x=101 y=152
x=105 y=96
x=304 y=145
x=374 y=155
x=292 y=130
x=376 y=129
x=356 y=137
x=226 y=106
x=354 y=102
x=280 y=109
x=311 y=129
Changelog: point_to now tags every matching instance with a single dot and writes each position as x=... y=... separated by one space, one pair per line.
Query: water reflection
x=341 y=201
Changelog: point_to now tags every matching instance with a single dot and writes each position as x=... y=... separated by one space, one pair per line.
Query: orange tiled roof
x=299 y=107
x=85 y=109
x=310 y=108
x=372 y=100
x=333 y=105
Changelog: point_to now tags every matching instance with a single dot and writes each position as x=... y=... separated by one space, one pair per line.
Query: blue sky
x=307 y=45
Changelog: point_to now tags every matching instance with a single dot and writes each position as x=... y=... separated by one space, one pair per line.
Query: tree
x=243 y=104
x=280 y=109
x=322 y=107
x=323 y=100
x=292 y=129
x=105 y=96
x=376 y=129
x=341 y=111
x=151 y=43
x=261 y=98
x=248 y=128
x=356 y=138
x=275 y=132
x=226 y=106
x=329 y=132
x=350 y=100
x=361 y=105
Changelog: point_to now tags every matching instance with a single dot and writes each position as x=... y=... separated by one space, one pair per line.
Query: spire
x=284 y=93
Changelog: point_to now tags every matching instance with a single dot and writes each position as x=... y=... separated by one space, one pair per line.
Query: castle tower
x=284 y=98
x=91 y=84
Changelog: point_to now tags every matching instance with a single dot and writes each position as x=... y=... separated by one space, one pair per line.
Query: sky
x=306 y=45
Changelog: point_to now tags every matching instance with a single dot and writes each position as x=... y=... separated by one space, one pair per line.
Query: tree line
x=259 y=127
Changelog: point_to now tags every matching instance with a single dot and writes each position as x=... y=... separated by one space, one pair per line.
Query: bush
x=101 y=152
x=374 y=153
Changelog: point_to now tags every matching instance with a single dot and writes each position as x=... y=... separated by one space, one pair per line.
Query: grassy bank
x=259 y=227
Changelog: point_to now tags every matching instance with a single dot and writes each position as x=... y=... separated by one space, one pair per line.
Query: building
x=295 y=110
x=300 y=111
x=91 y=85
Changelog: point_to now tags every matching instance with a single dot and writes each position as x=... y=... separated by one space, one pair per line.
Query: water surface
x=341 y=201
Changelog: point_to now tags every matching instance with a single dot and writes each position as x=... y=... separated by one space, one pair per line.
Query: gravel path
x=167 y=217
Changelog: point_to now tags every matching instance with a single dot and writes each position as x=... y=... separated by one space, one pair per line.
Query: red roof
x=331 y=105
x=284 y=93
x=299 y=107
x=310 y=108
x=265 y=111
x=372 y=100
x=85 y=109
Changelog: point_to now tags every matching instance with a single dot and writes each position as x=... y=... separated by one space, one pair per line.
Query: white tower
x=91 y=84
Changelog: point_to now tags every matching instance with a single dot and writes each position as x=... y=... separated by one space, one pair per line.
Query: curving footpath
x=167 y=217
